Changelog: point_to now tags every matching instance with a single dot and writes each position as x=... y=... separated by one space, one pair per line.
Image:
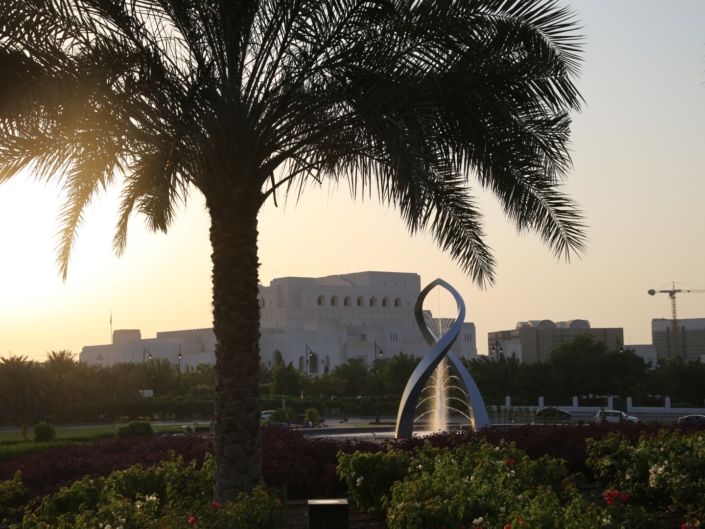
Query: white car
x=614 y=416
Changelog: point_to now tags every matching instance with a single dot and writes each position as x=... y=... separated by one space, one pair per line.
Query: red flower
x=192 y=521
x=610 y=501
x=507 y=526
x=216 y=505
x=510 y=462
x=128 y=500
x=624 y=496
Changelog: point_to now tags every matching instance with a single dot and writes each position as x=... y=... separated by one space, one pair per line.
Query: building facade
x=691 y=338
x=533 y=341
x=314 y=323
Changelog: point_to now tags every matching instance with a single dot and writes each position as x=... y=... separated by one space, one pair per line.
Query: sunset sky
x=639 y=177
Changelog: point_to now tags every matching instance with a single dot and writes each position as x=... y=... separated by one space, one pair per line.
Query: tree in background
x=62 y=386
x=241 y=99
x=583 y=366
x=354 y=376
x=396 y=372
x=23 y=388
x=286 y=380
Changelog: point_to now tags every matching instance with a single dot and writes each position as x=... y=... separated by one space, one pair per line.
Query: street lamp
x=381 y=355
x=497 y=349
x=179 y=357
x=309 y=355
x=620 y=350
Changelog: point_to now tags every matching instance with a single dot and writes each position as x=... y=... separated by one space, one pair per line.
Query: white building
x=314 y=323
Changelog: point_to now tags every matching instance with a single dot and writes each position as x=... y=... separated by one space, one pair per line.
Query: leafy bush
x=134 y=429
x=46 y=471
x=312 y=416
x=286 y=414
x=480 y=485
x=44 y=432
x=11 y=496
x=370 y=477
x=172 y=494
x=667 y=469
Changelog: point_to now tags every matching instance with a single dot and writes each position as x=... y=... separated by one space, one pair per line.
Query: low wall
x=665 y=409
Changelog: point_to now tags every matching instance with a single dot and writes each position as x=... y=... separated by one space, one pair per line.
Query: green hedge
x=168 y=407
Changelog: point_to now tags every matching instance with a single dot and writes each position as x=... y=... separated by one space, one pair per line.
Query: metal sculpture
x=440 y=348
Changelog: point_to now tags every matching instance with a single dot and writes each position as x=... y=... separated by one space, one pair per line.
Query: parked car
x=691 y=419
x=552 y=413
x=614 y=416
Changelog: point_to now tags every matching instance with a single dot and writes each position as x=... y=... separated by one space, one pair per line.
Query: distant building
x=314 y=323
x=691 y=338
x=646 y=351
x=533 y=341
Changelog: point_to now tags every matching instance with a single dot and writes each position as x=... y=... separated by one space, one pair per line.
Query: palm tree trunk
x=233 y=233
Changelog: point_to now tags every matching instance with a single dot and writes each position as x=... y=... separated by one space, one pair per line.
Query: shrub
x=172 y=494
x=370 y=477
x=11 y=495
x=493 y=487
x=312 y=416
x=286 y=414
x=668 y=469
x=134 y=429
x=44 y=432
x=45 y=472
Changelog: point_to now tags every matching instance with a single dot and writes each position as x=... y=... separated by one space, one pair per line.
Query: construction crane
x=674 y=317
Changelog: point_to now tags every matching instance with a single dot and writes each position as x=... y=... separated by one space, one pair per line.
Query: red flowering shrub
x=46 y=471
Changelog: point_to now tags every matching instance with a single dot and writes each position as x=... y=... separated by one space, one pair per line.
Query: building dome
x=546 y=324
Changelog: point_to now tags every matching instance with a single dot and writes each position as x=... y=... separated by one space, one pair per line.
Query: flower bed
x=46 y=471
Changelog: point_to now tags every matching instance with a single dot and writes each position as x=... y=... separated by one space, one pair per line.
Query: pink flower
x=684 y=526
x=128 y=500
x=192 y=521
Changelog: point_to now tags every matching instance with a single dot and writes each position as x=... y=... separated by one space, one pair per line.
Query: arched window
x=334 y=301
x=346 y=301
x=360 y=302
x=277 y=358
x=302 y=364
x=313 y=363
x=321 y=301
x=385 y=302
x=397 y=302
x=373 y=302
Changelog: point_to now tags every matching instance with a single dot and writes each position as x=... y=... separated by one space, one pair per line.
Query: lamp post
x=497 y=350
x=381 y=355
x=179 y=357
x=309 y=355
x=620 y=350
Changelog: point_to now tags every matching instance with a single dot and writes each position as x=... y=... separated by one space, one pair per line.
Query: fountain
x=437 y=368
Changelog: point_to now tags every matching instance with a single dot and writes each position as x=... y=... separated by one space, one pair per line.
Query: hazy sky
x=637 y=176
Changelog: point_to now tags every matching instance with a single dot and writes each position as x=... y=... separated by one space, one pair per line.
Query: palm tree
x=22 y=388
x=242 y=100
x=62 y=384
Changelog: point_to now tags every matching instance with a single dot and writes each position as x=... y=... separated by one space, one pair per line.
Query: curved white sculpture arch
x=440 y=347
